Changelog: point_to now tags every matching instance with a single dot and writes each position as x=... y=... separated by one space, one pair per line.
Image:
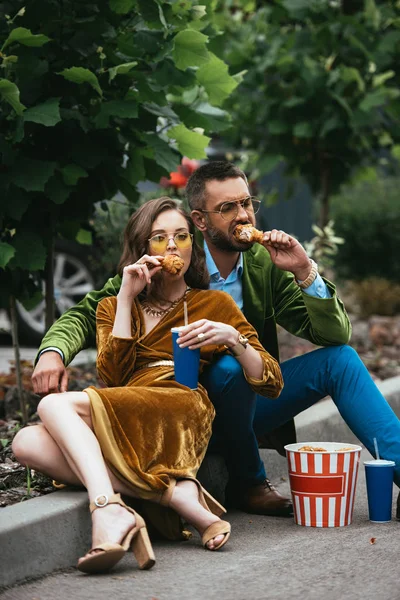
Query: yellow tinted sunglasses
x=182 y=239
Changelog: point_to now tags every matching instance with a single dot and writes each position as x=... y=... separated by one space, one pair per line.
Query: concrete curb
x=49 y=533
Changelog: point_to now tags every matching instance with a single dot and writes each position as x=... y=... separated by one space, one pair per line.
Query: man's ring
x=200 y=336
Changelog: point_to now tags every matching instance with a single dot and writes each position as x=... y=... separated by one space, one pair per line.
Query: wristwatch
x=239 y=347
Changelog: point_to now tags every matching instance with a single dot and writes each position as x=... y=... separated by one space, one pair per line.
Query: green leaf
x=126 y=109
x=84 y=237
x=149 y=10
x=32 y=300
x=271 y=197
x=378 y=80
x=351 y=74
x=267 y=164
x=56 y=191
x=198 y=11
x=160 y=111
x=161 y=16
x=17 y=202
x=10 y=93
x=122 y=69
x=164 y=155
x=135 y=171
x=80 y=75
x=209 y=118
x=11 y=59
x=396 y=151
x=276 y=127
x=121 y=7
x=47 y=113
x=129 y=191
x=238 y=77
x=343 y=103
x=303 y=130
x=31 y=67
x=6 y=254
x=140 y=42
x=166 y=74
x=190 y=49
x=190 y=143
x=216 y=80
x=372 y=13
x=32 y=175
x=30 y=252
x=293 y=101
x=297 y=8
x=26 y=37
x=72 y=173
x=330 y=124
x=373 y=99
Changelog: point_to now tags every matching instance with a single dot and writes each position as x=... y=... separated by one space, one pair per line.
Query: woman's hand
x=205 y=332
x=135 y=277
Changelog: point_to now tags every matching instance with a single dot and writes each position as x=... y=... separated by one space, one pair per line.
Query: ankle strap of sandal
x=103 y=500
x=165 y=499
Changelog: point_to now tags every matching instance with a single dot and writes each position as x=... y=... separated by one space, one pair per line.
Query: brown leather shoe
x=264 y=499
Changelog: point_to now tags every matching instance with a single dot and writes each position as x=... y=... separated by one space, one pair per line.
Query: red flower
x=178 y=179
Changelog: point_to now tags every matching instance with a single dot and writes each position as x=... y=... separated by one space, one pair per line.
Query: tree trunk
x=49 y=273
x=14 y=336
x=325 y=192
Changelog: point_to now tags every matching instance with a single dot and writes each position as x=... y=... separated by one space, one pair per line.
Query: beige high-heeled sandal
x=108 y=554
x=218 y=528
x=212 y=505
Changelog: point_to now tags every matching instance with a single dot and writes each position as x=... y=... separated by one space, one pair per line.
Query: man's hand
x=50 y=374
x=287 y=253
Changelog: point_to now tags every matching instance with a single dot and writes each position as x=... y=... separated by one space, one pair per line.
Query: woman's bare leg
x=66 y=417
x=57 y=446
x=34 y=447
x=185 y=501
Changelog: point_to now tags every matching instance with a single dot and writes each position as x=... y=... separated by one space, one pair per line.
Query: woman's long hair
x=136 y=236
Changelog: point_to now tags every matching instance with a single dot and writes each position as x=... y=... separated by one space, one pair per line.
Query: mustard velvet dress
x=152 y=429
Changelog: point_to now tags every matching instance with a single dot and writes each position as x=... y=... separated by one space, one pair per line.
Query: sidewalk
x=7 y=355
x=266 y=557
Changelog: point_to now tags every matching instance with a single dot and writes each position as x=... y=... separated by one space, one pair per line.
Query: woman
x=145 y=435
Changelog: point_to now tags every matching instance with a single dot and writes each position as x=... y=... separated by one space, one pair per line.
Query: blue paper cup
x=379 y=478
x=186 y=362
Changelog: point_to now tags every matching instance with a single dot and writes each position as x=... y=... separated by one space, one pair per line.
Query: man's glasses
x=159 y=243
x=230 y=210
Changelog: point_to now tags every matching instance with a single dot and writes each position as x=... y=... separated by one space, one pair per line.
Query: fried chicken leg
x=248 y=233
x=172 y=264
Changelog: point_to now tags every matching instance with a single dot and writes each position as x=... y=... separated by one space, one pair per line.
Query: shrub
x=374 y=296
x=367 y=216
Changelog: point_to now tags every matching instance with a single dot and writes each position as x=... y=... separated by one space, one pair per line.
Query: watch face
x=243 y=340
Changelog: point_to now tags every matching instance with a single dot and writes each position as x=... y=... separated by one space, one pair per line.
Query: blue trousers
x=336 y=371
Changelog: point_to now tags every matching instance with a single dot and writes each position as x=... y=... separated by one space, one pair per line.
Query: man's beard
x=224 y=242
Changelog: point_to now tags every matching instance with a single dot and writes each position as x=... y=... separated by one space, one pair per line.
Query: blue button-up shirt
x=233 y=283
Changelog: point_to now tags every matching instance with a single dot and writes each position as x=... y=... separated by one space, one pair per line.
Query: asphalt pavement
x=265 y=558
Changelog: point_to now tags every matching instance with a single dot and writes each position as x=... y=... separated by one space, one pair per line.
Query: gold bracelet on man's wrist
x=311 y=278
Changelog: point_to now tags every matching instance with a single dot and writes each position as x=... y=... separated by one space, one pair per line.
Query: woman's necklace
x=153 y=311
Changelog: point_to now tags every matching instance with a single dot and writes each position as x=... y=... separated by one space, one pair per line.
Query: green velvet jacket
x=270 y=298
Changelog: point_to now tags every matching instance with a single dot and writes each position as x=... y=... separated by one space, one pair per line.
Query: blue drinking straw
x=376 y=449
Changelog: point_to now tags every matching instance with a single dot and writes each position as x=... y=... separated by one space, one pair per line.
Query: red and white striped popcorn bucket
x=323 y=483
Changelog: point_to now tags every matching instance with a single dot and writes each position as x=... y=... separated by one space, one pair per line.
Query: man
x=273 y=283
